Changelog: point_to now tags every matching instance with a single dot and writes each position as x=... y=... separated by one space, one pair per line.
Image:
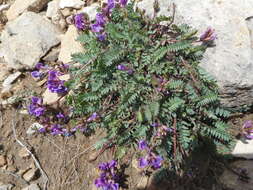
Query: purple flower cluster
x=101 y=19
x=247 y=129
x=93 y=117
x=79 y=21
x=54 y=84
x=36 y=107
x=41 y=69
x=209 y=35
x=122 y=67
x=108 y=178
x=151 y=159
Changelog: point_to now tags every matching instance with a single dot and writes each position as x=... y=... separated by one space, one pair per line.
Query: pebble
x=30 y=174
x=4 y=7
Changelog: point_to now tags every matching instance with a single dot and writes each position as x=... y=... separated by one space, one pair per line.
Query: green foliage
x=167 y=86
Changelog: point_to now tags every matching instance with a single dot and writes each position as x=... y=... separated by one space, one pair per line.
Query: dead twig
x=173 y=14
x=37 y=163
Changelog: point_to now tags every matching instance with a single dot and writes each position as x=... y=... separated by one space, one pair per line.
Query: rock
x=26 y=39
x=6 y=187
x=23 y=153
x=20 y=6
x=76 y=4
x=11 y=168
x=4 y=7
x=243 y=149
x=32 y=187
x=69 y=45
x=232 y=181
x=10 y=79
x=50 y=97
x=33 y=128
x=23 y=112
x=2 y=160
x=30 y=174
x=4 y=71
x=230 y=61
x=6 y=92
x=53 y=11
x=52 y=55
x=91 y=11
x=66 y=12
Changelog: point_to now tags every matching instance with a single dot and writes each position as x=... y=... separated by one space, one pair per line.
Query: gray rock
x=6 y=187
x=26 y=39
x=76 y=4
x=243 y=149
x=232 y=181
x=11 y=78
x=231 y=60
x=32 y=187
x=53 y=11
x=20 y=6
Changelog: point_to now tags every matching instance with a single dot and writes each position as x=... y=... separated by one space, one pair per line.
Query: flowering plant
x=141 y=80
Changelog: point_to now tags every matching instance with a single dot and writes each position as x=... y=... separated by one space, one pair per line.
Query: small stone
x=6 y=187
x=243 y=149
x=52 y=55
x=11 y=78
x=66 y=12
x=6 y=92
x=4 y=71
x=69 y=45
x=91 y=11
x=76 y=4
x=65 y=77
x=33 y=128
x=2 y=160
x=53 y=12
x=23 y=112
x=4 y=7
x=23 y=153
x=30 y=174
x=143 y=182
x=32 y=187
x=50 y=97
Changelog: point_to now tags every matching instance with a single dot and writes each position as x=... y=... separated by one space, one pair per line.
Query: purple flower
x=108 y=177
x=57 y=130
x=123 y=3
x=122 y=67
x=79 y=21
x=93 y=117
x=97 y=28
x=110 y=4
x=154 y=124
x=100 y=19
x=36 y=74
x=209 y=35
x=143 y=162
x=248 y=124
x=39 y=66
x=156 y=162
x=54 y=84
x=36 y=108
x=60 y=115
x=142 y=145
x=101 y=37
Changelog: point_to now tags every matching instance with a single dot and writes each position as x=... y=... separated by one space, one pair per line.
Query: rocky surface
x=91 y=11
x=230 y=61
x=6 y=187
x=26 y=39
x=69 y=45
x=20 y=6
x=232 y=180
